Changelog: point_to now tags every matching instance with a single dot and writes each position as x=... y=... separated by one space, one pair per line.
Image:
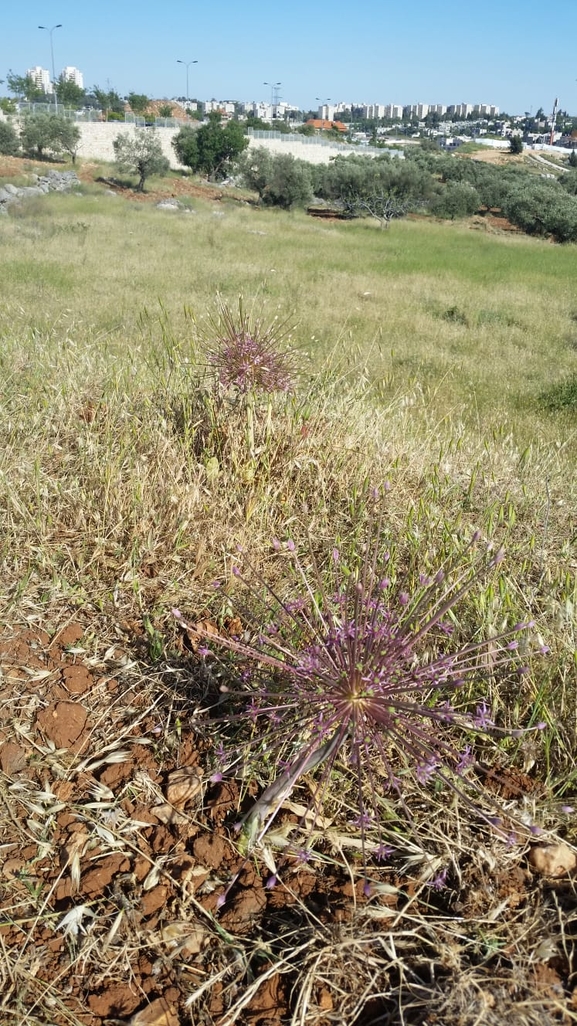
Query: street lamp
x=273 y=88
x=187 y=66
x=51 y=30
x=323 y=102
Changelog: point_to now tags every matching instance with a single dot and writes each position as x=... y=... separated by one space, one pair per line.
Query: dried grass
x=127 y=485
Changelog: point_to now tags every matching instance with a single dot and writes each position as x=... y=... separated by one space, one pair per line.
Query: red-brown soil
x=129 y=837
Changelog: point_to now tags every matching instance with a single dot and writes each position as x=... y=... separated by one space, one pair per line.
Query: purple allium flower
x=364 y=677
x=481 y=720
x=245 y=352
x=382 y=852
x=438 y=882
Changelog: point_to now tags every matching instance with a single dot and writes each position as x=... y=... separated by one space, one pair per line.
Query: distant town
x=361 y=121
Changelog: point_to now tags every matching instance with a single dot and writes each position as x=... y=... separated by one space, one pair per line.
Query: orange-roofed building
x=325 y=126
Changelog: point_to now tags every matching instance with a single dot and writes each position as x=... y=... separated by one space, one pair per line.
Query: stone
x=554 y=860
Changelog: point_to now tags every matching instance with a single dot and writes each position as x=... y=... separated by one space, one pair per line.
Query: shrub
x=49 y=132
x=9 y=142
x=280 y=180
x=457 y=199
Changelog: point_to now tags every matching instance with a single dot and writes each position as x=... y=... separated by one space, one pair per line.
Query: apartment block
x=221 y=106
x=416 y=110
x=326 y=112
x=41 y=78
x=485 y=110
x=374 y=110
x=70 y=74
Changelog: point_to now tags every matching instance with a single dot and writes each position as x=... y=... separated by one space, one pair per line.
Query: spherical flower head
x=362 y=669
x=246 y=354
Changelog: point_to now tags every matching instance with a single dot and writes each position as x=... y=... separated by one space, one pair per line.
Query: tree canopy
x=141 y=154
x=281 y=180
x=9 y=141
x=69 y=93
x=211 y=149
x=108 y=100
x=24 y=87
x=139 y=102
x=49 y=132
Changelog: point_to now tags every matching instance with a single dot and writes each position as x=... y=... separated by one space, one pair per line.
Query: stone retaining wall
x=97 y=139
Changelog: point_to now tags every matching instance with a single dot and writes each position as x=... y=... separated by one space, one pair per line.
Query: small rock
x=158 y=1013
x=12 y=758
x=183 y=785
x=555 y=860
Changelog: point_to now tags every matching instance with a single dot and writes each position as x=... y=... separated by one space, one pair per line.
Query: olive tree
x=456 y=199
x=42 y=133
x=9 y=142
x=212 y=149
x=141 y=154
x=281 y=180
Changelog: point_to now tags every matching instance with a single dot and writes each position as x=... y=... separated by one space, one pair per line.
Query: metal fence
x=316 y=140
x=93 y=114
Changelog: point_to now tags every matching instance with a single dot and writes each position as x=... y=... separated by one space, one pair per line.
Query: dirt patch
x=175 y=187
x=500 y=158
x=116 y=857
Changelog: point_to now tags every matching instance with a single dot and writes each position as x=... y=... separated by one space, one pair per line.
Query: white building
x=70 y=74
x=221 y=106
x=416 y=110
x=327 y=112
x=393 y=110
x=486 y=110
x=261 y=110
x=374 y=111
x=41 y=78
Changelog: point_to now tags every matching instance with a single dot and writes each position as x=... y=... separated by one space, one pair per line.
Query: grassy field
x=128 y=484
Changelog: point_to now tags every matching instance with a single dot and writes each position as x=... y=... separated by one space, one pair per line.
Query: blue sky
x=517 y=54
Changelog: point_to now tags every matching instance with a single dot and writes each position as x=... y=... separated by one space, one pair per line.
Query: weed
x=562 y=396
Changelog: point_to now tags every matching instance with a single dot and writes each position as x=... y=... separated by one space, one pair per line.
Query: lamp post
x=187 y=66
x=273 y=88
x=51 y=30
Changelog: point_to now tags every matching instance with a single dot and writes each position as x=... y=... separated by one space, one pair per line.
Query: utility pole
x=274 y=95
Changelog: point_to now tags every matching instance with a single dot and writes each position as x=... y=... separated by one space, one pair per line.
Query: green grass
x=380 y=293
